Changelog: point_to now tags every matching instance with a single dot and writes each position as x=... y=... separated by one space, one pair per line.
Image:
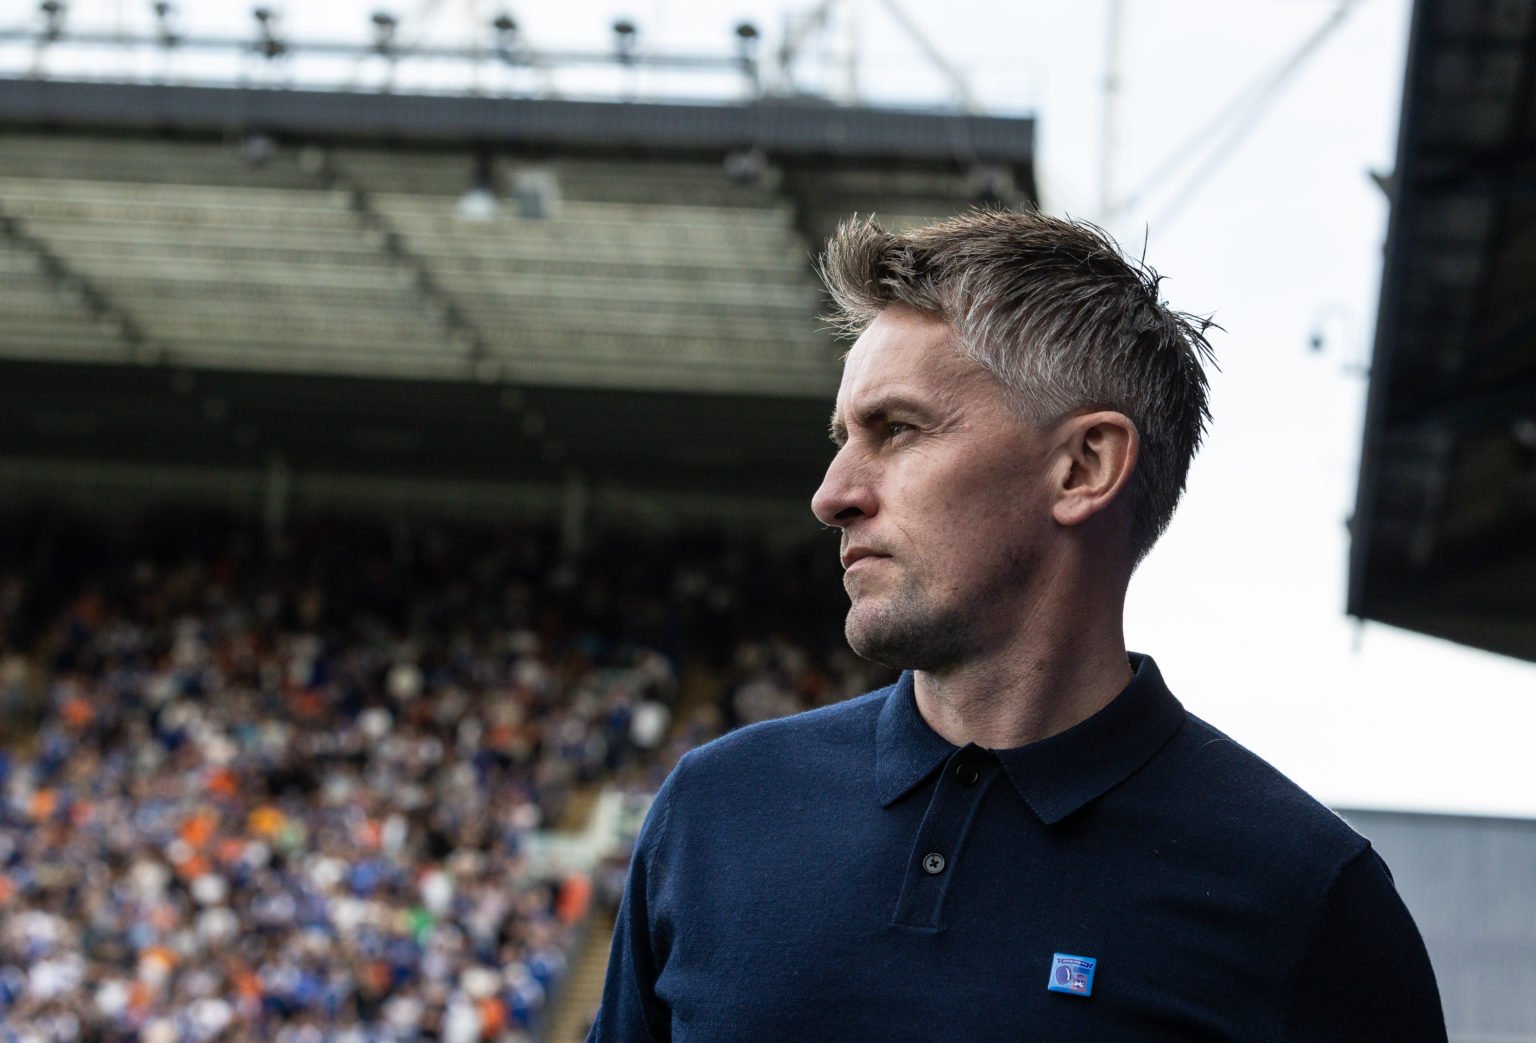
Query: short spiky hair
x=1057 y=313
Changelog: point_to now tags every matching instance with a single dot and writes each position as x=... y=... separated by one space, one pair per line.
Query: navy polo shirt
x=848 y=874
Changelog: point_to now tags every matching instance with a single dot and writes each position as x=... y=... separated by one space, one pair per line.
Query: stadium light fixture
x=508 y=42
x=537 y=192
x=624 y=33
x=992 y=184
x=267 y=43
x=746 y=40
x=168 y=36
x=1523 y=432
x=746 y=166
x=479 y=203
x=384 y=26
x=257 y=149
x=53 y=19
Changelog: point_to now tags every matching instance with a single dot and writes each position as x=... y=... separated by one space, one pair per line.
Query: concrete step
x=584 y=989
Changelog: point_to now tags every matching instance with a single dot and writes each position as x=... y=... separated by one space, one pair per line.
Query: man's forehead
x=911 y=356
x=897 y=344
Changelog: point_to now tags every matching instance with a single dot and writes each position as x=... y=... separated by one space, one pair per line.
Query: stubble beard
x=907 y=629
x=906 y=632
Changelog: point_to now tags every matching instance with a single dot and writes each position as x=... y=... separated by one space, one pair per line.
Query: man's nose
x=846 y=492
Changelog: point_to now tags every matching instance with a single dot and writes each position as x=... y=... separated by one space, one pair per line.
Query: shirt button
x=933 y=863
x=967 y=774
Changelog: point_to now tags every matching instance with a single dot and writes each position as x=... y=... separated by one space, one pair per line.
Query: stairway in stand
x=584 y=989
x=578 y=808
x=577 y=1002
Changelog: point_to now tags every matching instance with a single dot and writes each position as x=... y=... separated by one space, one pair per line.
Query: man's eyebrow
x=876 y=410
x=893 y=404
x=837 y=430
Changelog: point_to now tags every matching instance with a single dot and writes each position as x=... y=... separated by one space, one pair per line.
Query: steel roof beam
x=782 y=127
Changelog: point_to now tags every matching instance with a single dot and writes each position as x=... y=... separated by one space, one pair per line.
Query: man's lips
x=853 y=555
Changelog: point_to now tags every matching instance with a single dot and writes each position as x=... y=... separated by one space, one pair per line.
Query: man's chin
x=898 y=644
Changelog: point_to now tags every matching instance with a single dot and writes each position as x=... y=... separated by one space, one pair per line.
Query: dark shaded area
x=659 y=442
x=694 y=596
x=1445 y=518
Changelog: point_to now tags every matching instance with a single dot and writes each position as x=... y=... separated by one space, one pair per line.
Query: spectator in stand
x=286 y=797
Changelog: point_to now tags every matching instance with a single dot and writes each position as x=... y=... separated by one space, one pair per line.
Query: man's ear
x=1098 y=456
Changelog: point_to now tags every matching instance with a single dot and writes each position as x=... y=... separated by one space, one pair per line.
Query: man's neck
x=1041 y=686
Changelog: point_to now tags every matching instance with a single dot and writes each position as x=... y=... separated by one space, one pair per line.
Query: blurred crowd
x=284 y=791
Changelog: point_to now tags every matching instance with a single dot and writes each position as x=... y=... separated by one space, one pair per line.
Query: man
x=1026 y=837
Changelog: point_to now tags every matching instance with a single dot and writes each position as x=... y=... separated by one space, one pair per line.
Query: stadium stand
x=294 y=297
x=301 y=793
x=293 y=777
x=292 y=263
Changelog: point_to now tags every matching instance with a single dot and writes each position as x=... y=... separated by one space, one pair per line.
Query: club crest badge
x=1072 y=974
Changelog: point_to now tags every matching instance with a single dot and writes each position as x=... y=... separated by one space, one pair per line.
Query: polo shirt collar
x=1055 y=776
x=907 y=751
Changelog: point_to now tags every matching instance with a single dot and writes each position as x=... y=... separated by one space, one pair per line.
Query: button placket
x=957 y=794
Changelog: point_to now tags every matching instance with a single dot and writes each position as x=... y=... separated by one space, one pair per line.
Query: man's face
x=939 y=488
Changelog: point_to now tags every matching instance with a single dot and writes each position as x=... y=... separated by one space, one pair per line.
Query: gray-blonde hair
x=1058 y=314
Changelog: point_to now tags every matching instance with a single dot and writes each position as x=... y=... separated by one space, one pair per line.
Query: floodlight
x=624 y=33
x=267 y=44
x=746 y=166
x=1523 y=431
x=53 y=18
x=992 y=183
x=168 y=36
x=746 y=39
x=506 y=34
x=257 y=149
x=384 y=25
x=479 y=203
x=536 y=192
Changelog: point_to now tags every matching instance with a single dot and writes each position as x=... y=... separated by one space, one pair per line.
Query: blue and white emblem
x=1072 y=974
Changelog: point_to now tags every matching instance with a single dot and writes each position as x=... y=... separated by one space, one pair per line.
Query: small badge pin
x=1072 y=974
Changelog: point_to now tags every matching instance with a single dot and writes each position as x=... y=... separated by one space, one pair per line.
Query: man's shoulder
x=1254 y=803
x=794 y=741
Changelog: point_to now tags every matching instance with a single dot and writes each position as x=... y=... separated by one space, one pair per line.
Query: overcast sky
x=1242 y=603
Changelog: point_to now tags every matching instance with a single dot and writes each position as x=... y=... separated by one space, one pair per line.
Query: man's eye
x=894 y=429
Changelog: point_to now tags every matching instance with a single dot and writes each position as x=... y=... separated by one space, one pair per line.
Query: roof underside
x=219 y=278
x=1445 y=521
